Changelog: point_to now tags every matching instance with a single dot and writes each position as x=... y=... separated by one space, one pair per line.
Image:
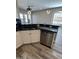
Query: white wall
x=59 y=36
x=17 y=12
x=41 y=17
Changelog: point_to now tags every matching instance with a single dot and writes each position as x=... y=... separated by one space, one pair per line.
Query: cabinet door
x=19 y=42
x=49 y=38
x=26 y=37
x=35 y=36
x=43 y=37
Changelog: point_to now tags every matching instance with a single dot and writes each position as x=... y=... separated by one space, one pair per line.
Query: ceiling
x=39 y=4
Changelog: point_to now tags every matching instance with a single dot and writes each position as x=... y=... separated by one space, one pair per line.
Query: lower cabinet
x=19 y=41
x=26 y=37
x=35 y=36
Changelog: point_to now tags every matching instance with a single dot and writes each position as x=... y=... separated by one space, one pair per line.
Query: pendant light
x=29 y=14
x=48 y=11
x=29 y=10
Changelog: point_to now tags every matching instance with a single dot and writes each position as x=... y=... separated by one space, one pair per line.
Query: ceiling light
x=29 y=10
x=48 y=11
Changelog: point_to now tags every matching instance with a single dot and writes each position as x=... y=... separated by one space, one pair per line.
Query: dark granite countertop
x=46 y=27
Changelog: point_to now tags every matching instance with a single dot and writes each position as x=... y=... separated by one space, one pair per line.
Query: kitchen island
x=33 y=33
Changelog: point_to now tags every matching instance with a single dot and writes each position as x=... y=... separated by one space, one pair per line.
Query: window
x=22 y=18
x=26 y=20
x=57 y=20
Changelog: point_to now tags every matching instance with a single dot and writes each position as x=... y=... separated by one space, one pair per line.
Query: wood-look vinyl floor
x=37 y=51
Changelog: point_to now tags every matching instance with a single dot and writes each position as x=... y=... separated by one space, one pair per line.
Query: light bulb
x=48 y=11
x=29 y=12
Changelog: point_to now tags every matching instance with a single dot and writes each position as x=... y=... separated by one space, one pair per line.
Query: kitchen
x=38 y=29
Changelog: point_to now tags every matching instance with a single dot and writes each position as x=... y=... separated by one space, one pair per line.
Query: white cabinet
x=27 y=36
x=35 y=36
x=30 y=36
x=19 y=42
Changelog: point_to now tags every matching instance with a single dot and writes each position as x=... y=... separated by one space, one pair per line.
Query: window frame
x=25 y=18
x=55 y=21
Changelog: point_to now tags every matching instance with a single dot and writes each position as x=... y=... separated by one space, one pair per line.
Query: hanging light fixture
x=48 y=11
x=29 y=10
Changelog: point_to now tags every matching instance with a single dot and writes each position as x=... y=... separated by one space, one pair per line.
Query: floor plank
x=37 y=51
